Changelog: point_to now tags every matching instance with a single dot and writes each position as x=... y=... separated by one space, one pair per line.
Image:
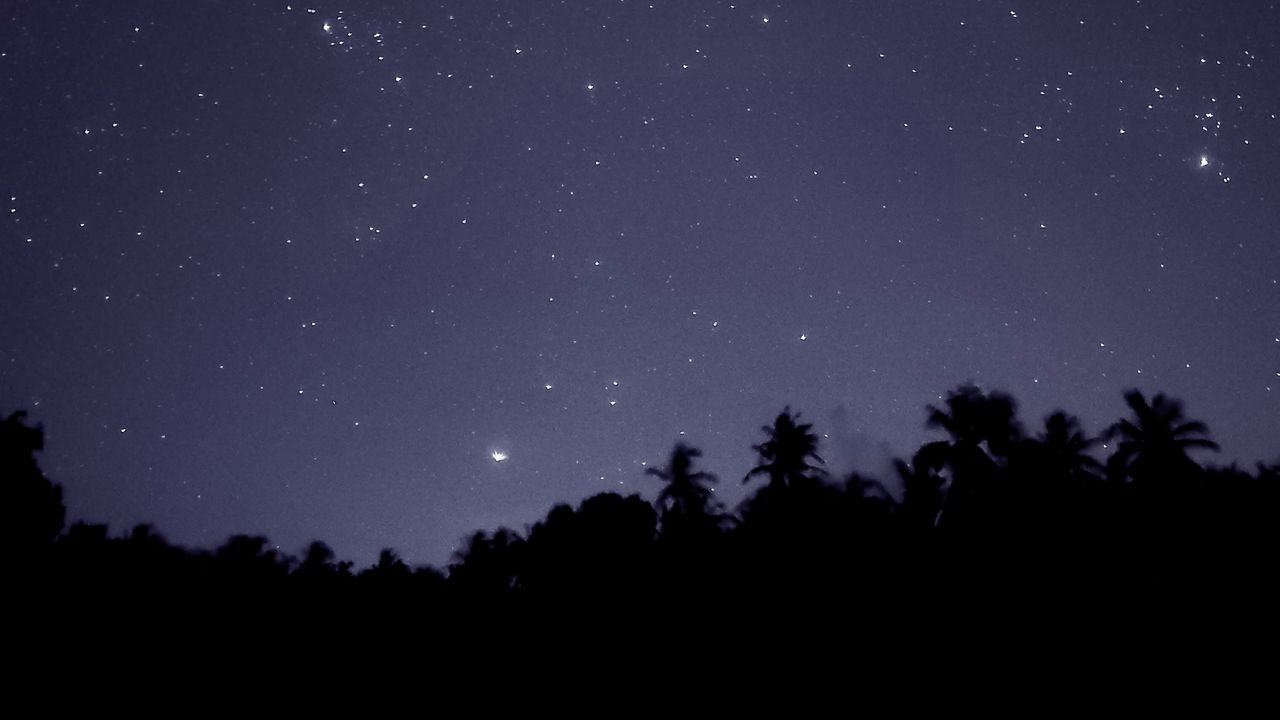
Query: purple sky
x=300 y=270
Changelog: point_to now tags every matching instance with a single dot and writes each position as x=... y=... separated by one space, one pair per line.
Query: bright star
x=498 y=456
x=1204 y=160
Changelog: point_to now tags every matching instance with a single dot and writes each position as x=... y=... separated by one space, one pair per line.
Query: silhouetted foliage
x=686 y=507
x=32 y=506
x=321 y=568
x=987 y=509
x=1154 y=443
x=600 y=549
x=489 y=566
x=984 y=430
x=785 y=454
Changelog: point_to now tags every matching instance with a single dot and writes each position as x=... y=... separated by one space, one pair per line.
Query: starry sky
x=303 y=270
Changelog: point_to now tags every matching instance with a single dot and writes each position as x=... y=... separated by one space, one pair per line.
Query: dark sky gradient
x=300 y=270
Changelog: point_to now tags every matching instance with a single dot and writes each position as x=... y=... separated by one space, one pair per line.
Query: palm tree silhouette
x=984 y=431
x=1155 y=442
x=979 y=423
x=686 y=493
x=784 y=456
x=1062 y=450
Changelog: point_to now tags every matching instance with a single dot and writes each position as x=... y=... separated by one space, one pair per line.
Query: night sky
x=385 y=273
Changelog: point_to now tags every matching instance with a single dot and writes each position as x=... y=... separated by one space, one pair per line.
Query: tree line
x=989 y=505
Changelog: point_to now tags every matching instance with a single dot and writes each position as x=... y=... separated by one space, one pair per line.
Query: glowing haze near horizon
x=385 y=273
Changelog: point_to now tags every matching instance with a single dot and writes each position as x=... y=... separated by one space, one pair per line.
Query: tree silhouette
x=685 y=501
x=984 y=430
x=489 y=566
x=1051 y=485
x=247 y=559
x=1062 y=451
x=1154 y=443
x=1055 y=466
x=1005 y=517
x=691 y=523
x=389 y=574
x=33 y=513
x=784 y=456
x=320 y=566
x=980 y=424
x=597 y=549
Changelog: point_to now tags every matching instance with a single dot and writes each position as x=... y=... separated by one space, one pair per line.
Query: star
x=525 y=214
